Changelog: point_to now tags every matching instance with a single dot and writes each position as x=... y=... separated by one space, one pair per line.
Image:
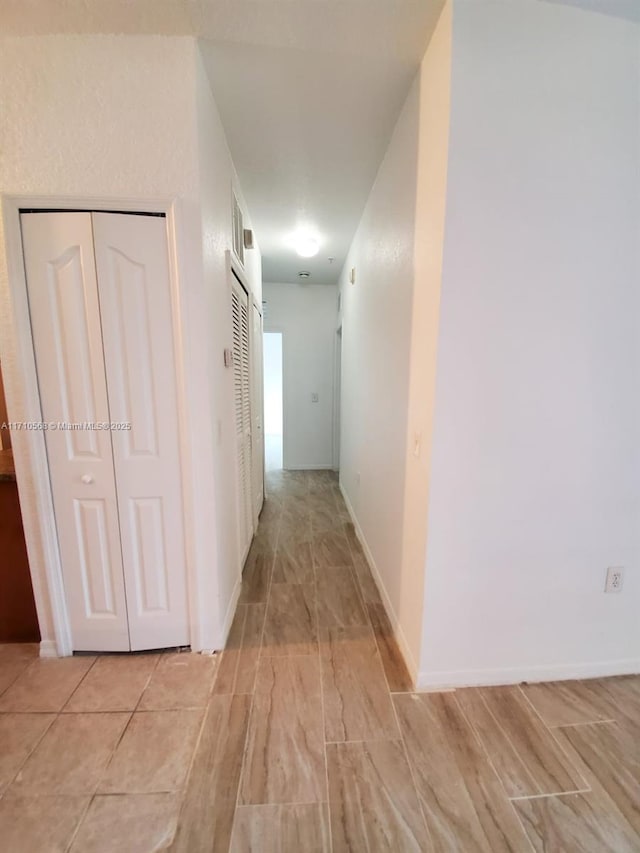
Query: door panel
x=65 y=318
x=242 y=404
x=135 y=305
x=150 y=568
x=257 y=408
x=92 y=531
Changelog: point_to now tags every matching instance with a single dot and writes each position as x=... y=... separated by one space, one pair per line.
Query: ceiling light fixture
x=305 y=244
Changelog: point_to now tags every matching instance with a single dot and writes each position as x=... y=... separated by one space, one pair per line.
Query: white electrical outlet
x=615 y=578
x=357 y=478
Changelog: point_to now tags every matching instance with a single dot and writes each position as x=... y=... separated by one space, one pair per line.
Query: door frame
x=21 y=387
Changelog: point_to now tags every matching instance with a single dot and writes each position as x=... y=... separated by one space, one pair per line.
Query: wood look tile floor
x=304 y=735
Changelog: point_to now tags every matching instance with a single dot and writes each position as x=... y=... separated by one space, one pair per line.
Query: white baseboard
x=231 y=612
x=323 y=467
x=48 y=649
x=516 y=675
x=395 y=624
x=440 y=680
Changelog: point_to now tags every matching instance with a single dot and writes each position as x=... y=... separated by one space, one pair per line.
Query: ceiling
x=308 y=91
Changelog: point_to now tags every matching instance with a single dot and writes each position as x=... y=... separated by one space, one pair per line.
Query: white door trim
x=23 y=402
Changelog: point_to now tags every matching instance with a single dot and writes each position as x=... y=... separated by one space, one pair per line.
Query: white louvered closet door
x=257 y=382
x=242 y=403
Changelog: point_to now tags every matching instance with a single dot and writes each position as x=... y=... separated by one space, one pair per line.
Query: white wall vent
x=238 y=231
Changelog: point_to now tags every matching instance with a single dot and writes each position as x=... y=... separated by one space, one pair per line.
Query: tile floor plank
x=225 y=680
x=19 y=736
x=114 y=683
x=609 y=758
x=330 y=549
x=464 y=803
x=14 y=659
x=293 y=562
x=338 y=596
x=368 y=589
x=256 y=575
x=73 y=754
x=576 y=822
x=250 y=649
x=565 y=703
x=356 y=698
x=45 y=824
x=154 y=754
x=181 y=680
x=372 y=802
x=290 y=624
x=134 y=822
x=526 y=756
x=395 y=668
x=324 y=517
x=355 y=545
x=46 y=684
x=276 y=829
x=206 y=818
x=284 y=760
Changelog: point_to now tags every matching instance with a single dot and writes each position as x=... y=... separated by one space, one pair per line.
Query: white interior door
x=65 y=318
x=135 y=305
x=242 y=405
x=257 y=409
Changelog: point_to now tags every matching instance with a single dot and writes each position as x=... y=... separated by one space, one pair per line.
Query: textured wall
x=98 y=114
x=132 y=117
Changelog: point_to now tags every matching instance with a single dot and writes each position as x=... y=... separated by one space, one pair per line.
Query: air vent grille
x=238 y=231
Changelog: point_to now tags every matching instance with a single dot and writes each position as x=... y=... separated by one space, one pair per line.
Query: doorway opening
x=337 y=379
x=18 y=616
x=273 y=402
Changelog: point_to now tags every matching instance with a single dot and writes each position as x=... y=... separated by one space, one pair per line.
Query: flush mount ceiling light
x=305 y=244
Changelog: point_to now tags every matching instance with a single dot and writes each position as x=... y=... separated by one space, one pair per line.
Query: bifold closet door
x=100 y=302
x=135 y=304
x=65 y=320
x=242 y=403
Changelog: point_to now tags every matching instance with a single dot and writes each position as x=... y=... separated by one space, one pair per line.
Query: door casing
x=21 y=388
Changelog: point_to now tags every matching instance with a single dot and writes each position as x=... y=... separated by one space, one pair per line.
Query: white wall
x=389 y=343
x=131 y=117
x=535 y=484
x=307 y=317
x=217 y=181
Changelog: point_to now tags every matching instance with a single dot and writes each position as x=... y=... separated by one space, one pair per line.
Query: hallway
x=304 y=735
x=313 y=740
